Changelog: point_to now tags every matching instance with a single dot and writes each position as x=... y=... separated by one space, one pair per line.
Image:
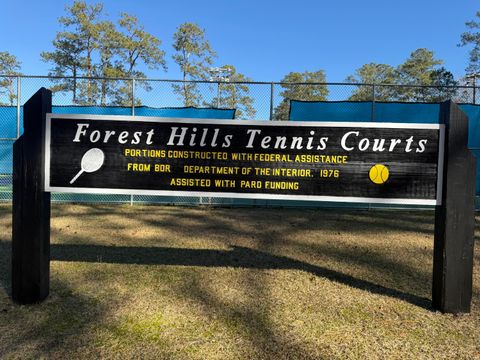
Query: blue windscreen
x=405 y=113
x=188 y=113
x=92 y=110
x=473 y=113
x=364 y=111
x=330 y=111
x=183 y=112
x=8 y=122
x=6 y=157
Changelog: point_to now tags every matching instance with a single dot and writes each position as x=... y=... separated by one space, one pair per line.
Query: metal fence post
x=133 y=97
x=19 y=94
x=271 y=99
x=133 y=114
x=373 y=103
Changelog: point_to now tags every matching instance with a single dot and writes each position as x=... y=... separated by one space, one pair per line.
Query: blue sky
x=267 y=39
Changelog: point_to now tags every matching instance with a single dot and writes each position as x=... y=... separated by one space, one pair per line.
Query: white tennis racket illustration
x=92 y=160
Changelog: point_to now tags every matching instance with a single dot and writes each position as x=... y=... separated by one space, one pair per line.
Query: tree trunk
x=89 y=73
x=11 y=92
x=185 y=92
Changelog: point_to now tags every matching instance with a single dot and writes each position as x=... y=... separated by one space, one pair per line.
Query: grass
x=208 y=283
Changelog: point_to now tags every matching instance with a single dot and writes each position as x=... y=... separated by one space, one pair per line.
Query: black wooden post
x=31 y=206
x=455 y=218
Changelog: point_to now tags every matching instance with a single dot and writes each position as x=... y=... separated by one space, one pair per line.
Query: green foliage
x=85 y=24
x=90 y=46
x=9 y=65
x=135 y=44
x=194 y=55
x=472 y=38
x=68 y=60
x=417 y=70
x=419 y=78
x=445 y=85
x=373 y=73
x=234 y=95
x=108 y=66
x=131 y=45
x=296 y=86
x=74 y=49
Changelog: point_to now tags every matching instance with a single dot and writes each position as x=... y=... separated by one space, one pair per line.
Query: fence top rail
x=237 y=82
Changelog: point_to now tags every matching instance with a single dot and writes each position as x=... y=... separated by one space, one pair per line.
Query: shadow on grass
x=324 y=219
x=6 y=266
x=259 y=329
x=65 y=317
x=56 y=327
x=62 y=326
x=237 y=257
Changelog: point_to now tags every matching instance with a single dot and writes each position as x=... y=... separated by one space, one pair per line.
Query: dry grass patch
x=206 y=283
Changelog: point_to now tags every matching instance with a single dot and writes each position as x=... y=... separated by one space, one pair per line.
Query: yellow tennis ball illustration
x=379 y=174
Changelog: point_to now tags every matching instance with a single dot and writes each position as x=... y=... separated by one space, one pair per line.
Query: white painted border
x=244 y=122
x=48 y=124
x=441 y=154
x=440 y=127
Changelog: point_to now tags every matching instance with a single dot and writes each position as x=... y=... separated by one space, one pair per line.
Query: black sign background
x=412 y=175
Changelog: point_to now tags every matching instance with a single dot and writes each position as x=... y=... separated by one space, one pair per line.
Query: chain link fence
x=252 y=100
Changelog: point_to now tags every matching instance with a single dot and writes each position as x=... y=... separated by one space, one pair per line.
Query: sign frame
x=236 y=195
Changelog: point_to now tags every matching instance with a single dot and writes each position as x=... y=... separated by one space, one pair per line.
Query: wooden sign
x=375 y=162
x=350 y=162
